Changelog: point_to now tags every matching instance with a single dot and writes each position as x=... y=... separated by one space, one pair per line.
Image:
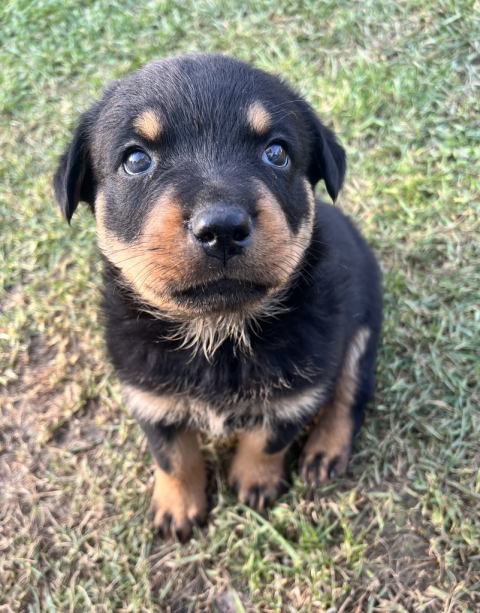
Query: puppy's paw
x=257 y=483
x=322 y=462
x=177 y=506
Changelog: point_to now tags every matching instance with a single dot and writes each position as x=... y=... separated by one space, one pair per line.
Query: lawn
x=400 y=82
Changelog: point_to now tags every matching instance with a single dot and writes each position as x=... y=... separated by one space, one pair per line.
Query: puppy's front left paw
x=255 y=488
x=321 y=463
x=177 y=505
x=256 y=477
x=327 y=450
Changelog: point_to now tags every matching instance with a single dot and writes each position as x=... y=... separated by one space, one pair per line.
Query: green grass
x=400 y=83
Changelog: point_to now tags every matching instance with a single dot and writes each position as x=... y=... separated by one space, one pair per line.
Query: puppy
x=234 y=302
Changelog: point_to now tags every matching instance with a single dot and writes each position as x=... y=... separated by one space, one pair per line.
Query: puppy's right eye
x=136 y=162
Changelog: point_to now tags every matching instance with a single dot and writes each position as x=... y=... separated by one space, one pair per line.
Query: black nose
x=223 y=231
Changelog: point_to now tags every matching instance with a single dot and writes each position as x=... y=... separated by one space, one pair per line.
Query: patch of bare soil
x=43 y=414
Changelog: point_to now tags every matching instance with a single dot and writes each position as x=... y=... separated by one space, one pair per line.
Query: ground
x=400 y=83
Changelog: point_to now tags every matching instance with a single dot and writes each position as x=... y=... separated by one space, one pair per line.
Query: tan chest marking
x=200 y=415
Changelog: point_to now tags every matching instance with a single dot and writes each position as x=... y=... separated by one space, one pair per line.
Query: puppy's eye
x=275 y=155
x=137 y=162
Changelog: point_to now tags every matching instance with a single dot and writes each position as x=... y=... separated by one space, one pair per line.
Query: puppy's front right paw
x=177 y=505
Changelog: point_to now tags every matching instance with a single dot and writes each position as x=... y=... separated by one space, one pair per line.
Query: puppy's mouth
x=222 y=295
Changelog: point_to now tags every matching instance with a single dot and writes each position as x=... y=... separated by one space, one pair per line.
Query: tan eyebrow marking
x=258 y=118
x=148 y=125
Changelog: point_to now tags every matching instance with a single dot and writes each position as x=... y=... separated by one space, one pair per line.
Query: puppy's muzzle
x=222 y=231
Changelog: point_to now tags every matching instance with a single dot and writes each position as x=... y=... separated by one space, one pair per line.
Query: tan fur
x=163 y=257
x=273 y=244
x=170 y=409
x=311 y=203
x=304 y=233
x=151 y=261
x=332 y=436
x=258 y=118
x=255 y=474
x=180 y=493
x=300 y=404
x=207 y=334
x=148 y=124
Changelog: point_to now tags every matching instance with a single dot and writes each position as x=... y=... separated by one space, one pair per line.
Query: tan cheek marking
x=148 y=124
x=304 y=233
x=258 y=118
x=274 y=244
x=311 y=201
x=331 y=439
x=255 y=475
x=157 y=257
x=164 y=232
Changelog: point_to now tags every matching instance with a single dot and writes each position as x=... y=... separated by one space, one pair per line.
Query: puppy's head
x=200 y=172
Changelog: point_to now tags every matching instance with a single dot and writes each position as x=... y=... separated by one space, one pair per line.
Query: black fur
x=105 y=132
x=159 y=438
x=338 y=294
x=336 y=290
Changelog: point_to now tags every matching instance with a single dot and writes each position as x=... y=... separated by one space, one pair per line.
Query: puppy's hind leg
x=327 y=451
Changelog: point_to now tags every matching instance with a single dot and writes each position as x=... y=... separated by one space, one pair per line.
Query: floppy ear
x=74 y=180
x=328 y=160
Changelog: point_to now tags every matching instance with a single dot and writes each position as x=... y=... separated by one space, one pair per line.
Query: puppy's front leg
x=179 y=498
x=256 y=474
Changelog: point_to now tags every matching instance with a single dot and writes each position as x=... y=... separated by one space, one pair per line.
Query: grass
x=400 y=83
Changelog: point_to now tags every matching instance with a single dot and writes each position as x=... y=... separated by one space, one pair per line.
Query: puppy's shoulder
x=340 y=234
x=348 y=266
x=333 y=221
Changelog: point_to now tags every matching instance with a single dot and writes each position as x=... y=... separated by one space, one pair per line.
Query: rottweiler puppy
x=234 y=302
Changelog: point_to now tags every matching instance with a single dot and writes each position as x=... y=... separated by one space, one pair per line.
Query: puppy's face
x=200 y=173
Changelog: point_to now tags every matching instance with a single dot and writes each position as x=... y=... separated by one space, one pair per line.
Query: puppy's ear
x=328 y=159
x=74 y=180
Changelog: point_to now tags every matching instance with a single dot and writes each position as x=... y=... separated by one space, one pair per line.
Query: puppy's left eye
x=137 y=162
x=275 y=155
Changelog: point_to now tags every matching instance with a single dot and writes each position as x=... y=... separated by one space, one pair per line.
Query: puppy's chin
x=220 y=297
